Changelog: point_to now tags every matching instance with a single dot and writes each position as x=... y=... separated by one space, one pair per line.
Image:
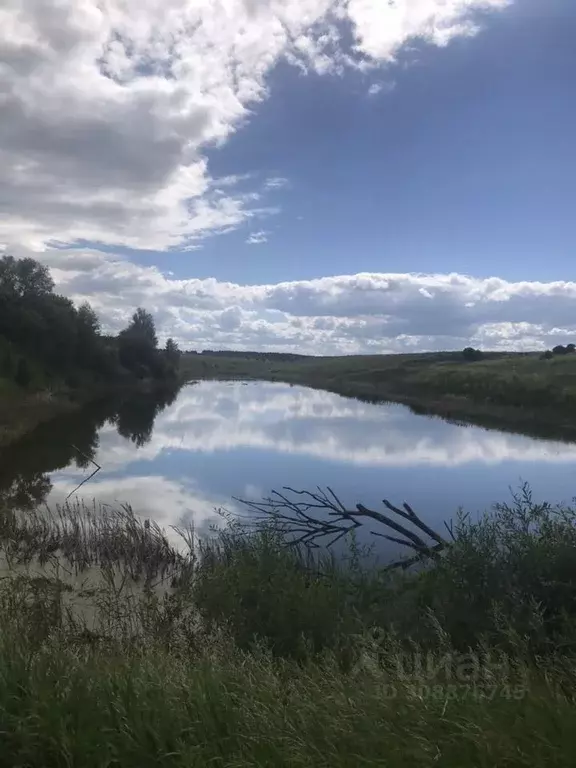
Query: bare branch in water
x=315 y=518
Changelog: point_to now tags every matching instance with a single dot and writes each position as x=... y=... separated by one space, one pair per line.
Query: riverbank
x=242 y=652
x=516 y=392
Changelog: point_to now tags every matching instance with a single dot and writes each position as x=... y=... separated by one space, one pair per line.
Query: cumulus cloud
x=257 y=238
x=107 y=107
x=367 y=312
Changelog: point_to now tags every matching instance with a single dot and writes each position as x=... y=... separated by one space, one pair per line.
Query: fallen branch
x=319 y=518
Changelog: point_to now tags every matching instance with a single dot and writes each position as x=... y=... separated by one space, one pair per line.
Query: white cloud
x=107 y=106
x=367 y=312
x=276 y=182
x=381 y=87
x=257 y=238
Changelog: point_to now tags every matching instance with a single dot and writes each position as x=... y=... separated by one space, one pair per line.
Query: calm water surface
x=178 y=461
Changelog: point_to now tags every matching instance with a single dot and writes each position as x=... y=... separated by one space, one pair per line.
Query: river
x=177 y=459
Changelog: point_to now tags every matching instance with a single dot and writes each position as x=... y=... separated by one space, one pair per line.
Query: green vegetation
x=51 y=348
x=515 y=391
x=125 y=651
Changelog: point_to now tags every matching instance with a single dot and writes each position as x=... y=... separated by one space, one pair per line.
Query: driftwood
x=319 y=518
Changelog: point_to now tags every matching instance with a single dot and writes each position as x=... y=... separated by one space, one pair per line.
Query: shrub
x=261 y=590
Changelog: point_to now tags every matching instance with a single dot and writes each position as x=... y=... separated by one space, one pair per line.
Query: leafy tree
x=570 y=349
x=172 y=350
x=559 y=350
x=88 y=322
x=21 y=278
x=66 y=342
x=142 y=328
x=172 y=355
x=88 y=343
x=138 y=346
x=470 y=354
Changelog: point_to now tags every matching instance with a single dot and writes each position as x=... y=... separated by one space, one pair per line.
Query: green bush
x=510 y=574
x=260 y=590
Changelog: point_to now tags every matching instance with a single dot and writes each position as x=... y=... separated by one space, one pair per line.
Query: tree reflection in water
x=72 y=440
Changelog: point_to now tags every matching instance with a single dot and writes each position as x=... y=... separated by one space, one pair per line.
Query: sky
x=316 y=176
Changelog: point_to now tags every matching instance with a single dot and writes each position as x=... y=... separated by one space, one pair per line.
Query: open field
x=252 y=654
x=519 y=392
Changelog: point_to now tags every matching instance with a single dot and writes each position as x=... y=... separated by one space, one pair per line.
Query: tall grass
x=241 y=652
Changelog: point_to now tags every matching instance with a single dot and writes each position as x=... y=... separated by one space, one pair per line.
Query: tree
x=142 y=328
x=24 y=277
x=89 y=345
x=470 y=354
x=66 y=342
x=23 y=376
x=88 y=320
x=570 y=349
x=137 y=345
x=57 y=340
x=559 y=350
x=172 y=354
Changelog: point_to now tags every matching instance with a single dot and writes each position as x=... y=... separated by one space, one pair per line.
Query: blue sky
x=156 y=158
x=463 y=162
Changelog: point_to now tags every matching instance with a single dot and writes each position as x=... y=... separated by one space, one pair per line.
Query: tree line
x=46 y=339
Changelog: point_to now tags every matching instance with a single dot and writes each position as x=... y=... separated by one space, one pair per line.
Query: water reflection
x=176 y=458
x=73 y=441
x=216 y=417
